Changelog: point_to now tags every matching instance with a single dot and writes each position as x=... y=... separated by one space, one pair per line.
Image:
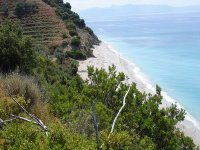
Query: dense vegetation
x=64 y=11
x=50 y=24
x=73 y=23
x=16 y=51
x=25 y=8
x=64 y=102
x=78 y=114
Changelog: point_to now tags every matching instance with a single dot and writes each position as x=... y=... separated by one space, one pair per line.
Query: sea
x=165 y=46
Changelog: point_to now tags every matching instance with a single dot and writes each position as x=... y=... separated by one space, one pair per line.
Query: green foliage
x=27 y=136
x=142 y=124
x=119 y=140
x=58 y=3
x=76 y=41
x=25 y=8
x=70 y=25
x=76 y=54
x=64 y=35
x=15 y=50
x=158 y=90
x=8 y=106
x=49 y=72
x=75 y=25
x=64 y=11
x=72 y=29
x=60 y=55
x=73 y=68
x=73 y=32
x=67 y=5
x=156 y=127
x=90 y=31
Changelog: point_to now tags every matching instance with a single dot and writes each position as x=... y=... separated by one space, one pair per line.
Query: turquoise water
x=165 y=46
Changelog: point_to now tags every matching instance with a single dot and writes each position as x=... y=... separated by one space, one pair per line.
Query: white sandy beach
x=105 y=56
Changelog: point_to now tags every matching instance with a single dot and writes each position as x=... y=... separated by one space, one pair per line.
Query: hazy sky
x=84 y=4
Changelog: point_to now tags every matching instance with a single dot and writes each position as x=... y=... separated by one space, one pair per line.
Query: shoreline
x=105 y=56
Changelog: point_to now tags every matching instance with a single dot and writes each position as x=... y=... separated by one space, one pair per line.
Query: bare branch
x=36 y=120
x=22 y=118
x=119 y=112
x=3 y=122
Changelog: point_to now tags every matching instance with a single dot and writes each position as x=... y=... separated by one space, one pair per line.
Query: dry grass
x=23 y=87
x=15 y=84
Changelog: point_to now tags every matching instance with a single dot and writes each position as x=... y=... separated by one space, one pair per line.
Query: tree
x=142 y=118
x=73 y=68
x=16 y=51
x=76 y=41
x=67 y=5
x=60 y=55
x=25 y=8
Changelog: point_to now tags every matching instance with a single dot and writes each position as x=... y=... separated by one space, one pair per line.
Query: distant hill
x=134 y=10
x=49 y=23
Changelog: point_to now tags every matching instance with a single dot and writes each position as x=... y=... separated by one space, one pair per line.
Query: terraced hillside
x=45 y=26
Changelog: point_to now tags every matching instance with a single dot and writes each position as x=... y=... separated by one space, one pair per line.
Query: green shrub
x=25 y=8
x=67 y=6
x=27 y=136
x=73 y=32
x=73 y=68
x=65 y=15
x=70 y=25
x=72 y=28
x=80 y=22
x=8 y=106
x=64 y=11
x=60 y=55
x=76 y=54
x=76 y=41
x=64 y=35
x=90 y=31
x=16 y=51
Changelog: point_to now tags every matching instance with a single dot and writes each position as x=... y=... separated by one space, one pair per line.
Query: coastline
x=105 y=56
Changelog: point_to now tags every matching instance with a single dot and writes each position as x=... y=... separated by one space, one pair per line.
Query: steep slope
x=45 y=26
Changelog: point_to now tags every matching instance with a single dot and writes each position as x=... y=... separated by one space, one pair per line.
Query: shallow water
x=165 y=46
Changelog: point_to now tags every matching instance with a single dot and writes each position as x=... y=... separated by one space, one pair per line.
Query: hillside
x=45 y=25
x=46 y=105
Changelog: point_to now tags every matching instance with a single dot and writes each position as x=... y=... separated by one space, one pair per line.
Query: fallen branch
x=35 y=119
x=22 y=118
x=2 y=122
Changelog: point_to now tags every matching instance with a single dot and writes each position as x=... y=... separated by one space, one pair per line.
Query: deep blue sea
x=166 y=47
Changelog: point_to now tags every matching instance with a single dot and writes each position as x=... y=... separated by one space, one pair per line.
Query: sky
x=78 y=5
